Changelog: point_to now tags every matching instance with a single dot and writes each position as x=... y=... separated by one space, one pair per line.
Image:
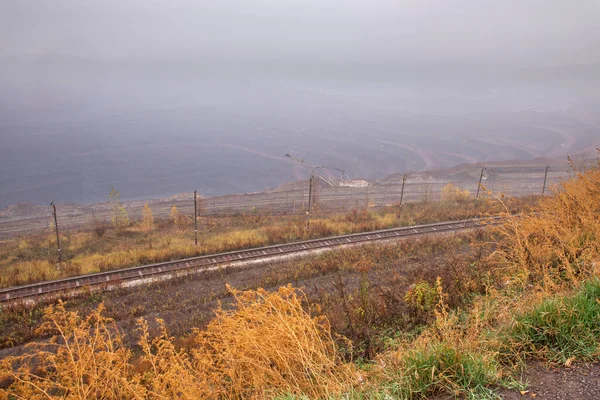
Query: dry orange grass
x=555 y=244
x=168 y=372
x=84 y=359
x=34 y=259
x=268 y=346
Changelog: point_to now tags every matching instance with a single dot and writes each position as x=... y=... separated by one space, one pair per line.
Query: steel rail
x=144 y=271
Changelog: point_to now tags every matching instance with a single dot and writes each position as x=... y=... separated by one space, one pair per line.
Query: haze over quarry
x=156 y=98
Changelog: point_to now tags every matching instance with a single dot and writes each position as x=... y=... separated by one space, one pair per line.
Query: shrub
x=147 y=218
x=422 y=296
x=120 y=217
x=453 y=193
x=99 y=226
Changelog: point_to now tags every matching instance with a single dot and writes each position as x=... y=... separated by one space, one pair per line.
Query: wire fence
x=419 y=187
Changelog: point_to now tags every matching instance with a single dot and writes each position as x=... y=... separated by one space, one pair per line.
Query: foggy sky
x=155 y=97
x=370 y=32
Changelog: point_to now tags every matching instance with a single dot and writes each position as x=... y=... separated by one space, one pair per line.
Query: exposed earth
x=578 y=382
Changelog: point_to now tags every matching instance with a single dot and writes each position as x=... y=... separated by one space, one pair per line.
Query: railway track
x=108 y=278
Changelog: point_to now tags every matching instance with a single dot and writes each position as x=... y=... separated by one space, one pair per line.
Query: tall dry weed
x=555 y=244
x=168 y=372
x=268 y=346
x=85 y=359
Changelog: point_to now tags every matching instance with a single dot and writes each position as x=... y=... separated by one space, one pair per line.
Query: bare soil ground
x=580 y=382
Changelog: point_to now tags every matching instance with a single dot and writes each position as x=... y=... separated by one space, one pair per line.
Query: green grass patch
x=442 y=369
x=562 y=327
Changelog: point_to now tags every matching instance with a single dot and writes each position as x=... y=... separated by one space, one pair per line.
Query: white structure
x=357 y=183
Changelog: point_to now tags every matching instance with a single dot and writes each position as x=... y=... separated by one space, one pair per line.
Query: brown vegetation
x=557 y=244
x=460 y=322
x=268 y=346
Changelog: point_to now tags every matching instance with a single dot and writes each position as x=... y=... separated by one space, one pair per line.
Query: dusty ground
x=580 y=382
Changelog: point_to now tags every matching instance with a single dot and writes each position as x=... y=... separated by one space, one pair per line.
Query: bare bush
x=99 y=226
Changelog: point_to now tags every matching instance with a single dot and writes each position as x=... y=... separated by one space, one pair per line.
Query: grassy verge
x=31 y=259
x=542 y=302
x=440 y=369
x=561 y=328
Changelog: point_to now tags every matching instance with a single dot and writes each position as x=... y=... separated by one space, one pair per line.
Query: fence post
x=195 y=219
x=402 y=192
x=479 y=184
x=545 y=176
x=56 y=229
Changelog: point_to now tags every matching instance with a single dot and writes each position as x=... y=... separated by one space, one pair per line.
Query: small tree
x=147 y=218
x=175 y=217
x=120 y=218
